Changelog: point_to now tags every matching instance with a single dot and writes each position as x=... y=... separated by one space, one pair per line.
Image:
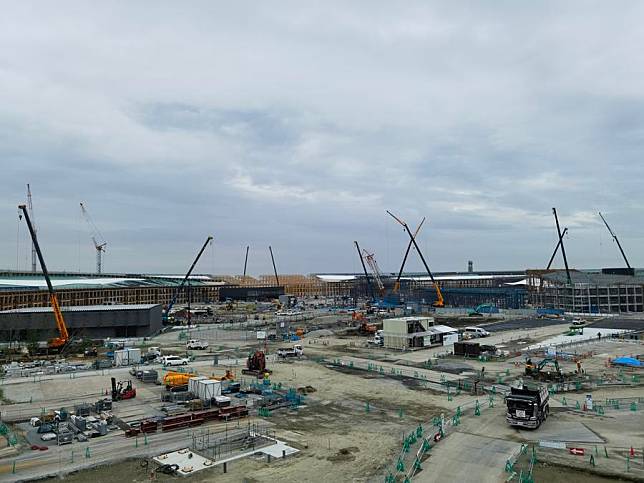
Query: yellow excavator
x=59 y=342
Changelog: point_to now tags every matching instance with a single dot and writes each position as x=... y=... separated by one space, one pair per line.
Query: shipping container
x=208 y=389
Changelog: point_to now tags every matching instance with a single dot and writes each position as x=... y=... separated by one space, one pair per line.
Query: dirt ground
x=352 y=426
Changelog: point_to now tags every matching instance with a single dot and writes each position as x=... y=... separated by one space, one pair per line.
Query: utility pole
x=619 y=245
x=563 y=249
x=31 y=213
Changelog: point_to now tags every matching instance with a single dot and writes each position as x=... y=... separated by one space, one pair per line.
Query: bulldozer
x=541 y=370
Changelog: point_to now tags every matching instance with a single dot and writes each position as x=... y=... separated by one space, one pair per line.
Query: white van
x=472 y=332
x=174 y=361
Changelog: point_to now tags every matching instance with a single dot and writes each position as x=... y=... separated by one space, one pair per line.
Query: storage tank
x=208 y=389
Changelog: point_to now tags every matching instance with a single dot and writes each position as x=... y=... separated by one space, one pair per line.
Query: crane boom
x=440 y=302
x=619 y=245
x=371 y=261
x=183 y=282
x=563 y=249
x=53 y=298
x=33 y=221
x=402 y=265
x=552 y=258
x=97 y=238
x=277 y=279
x=364 y=268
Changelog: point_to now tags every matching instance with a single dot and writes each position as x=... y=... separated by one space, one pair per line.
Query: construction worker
x=599 y=336
x=578 y=367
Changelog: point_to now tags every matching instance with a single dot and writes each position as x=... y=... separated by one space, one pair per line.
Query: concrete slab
x=279 y=449
x=467 y=458
x=188 y=461
x=561 y=431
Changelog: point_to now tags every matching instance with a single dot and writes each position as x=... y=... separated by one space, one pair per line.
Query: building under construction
x=602 y=292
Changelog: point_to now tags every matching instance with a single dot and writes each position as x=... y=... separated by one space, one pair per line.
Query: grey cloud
x=298 y=126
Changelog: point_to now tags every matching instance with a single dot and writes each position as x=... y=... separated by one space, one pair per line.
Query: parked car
x=196 y=344
x=48 y=436
x=174 y=361
x=473 y=332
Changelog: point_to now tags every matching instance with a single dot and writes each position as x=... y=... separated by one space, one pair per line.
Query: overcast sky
x=297 y=124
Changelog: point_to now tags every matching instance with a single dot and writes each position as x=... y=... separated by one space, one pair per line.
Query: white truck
x=378 y=339
x=295 y=351
x=196 y=344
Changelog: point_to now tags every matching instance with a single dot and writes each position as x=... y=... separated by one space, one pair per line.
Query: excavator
x=538 y=371
x=57 y=343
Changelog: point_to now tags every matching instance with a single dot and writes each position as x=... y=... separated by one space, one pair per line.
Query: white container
x=208 y=389
x=127 y=357
x=134 y=356
x=193 y=382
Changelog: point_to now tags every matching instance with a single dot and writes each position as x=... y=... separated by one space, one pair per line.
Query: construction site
x=524 y=376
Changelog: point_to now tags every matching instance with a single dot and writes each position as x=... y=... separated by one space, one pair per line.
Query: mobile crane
x=440 y=302
x=183 y=282
x=63 y=338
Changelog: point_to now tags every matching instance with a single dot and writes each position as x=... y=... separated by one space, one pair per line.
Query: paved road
x=618 y=323
x=529 y=323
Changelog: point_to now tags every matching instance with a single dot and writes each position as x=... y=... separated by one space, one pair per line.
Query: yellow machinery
x=176 y=379
x=63 y=338
x=440 y=302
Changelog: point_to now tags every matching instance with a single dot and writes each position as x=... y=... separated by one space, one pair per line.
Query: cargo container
x=208 y=389
x=127 y=357
x=192 y=384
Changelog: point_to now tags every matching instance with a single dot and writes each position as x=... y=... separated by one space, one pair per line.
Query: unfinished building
x=587 y=292
x=407 y=333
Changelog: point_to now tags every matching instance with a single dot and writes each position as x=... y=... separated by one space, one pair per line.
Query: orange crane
x=440 y=302
x=63 y=338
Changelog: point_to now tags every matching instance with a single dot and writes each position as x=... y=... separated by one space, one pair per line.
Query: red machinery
x=122 y=390
x=256 y=364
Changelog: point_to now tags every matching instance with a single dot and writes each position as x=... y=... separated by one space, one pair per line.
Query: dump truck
x=526 y=407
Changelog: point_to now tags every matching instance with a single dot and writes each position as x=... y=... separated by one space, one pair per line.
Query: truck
x=527 y=407
x=378 y=339
x=295 y=351
x=196 y=344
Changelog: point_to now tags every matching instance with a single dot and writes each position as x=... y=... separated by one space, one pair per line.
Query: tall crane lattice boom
x=97 y=238
x=371 y=261
x=30 y=206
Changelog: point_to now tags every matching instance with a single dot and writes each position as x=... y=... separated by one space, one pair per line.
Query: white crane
x=31 y=214
x=371 y=261
x=99 y=242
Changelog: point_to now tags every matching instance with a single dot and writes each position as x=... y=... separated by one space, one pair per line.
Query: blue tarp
x=627 y=361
